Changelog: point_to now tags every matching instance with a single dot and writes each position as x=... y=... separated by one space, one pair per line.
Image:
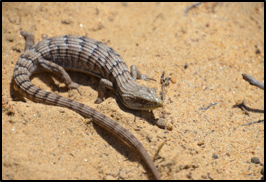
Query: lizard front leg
x=103 y=84
x=136 y=74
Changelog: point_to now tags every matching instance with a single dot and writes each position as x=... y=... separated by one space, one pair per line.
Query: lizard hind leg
x=49 y=66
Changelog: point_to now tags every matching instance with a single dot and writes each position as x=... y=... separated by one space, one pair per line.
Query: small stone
x=257 y=51
x=67 y=21
x=255 y=160
x=214 y=156
x=161 y=123
x=173 y=79
x=200 y=143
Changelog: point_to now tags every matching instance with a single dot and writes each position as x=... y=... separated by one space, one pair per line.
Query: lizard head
x=142 y=98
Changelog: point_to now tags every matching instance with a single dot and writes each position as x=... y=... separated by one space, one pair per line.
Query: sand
x=206 y=51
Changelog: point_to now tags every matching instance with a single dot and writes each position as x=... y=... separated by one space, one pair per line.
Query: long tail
x=27 y=89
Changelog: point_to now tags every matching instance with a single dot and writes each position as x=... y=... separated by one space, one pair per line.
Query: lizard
x=79 y=53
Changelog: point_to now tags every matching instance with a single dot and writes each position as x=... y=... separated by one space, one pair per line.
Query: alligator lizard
x=86 y=55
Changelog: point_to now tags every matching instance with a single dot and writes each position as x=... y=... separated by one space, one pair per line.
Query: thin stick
x=246 y=108
x=192 y=6
x=253 y=81
x=253 y=123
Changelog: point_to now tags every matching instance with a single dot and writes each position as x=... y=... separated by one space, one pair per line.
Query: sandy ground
x=206 y=51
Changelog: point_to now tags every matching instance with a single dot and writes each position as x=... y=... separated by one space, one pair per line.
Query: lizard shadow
x=129 y=153
x=92 y=82
x=111 y=139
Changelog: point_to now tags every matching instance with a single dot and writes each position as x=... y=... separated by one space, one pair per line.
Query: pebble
x=214 y=156
x=255 y=160
x=161 y=123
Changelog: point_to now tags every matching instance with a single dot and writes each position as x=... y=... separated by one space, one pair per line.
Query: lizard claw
x=73 y=85
x=146 y=78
